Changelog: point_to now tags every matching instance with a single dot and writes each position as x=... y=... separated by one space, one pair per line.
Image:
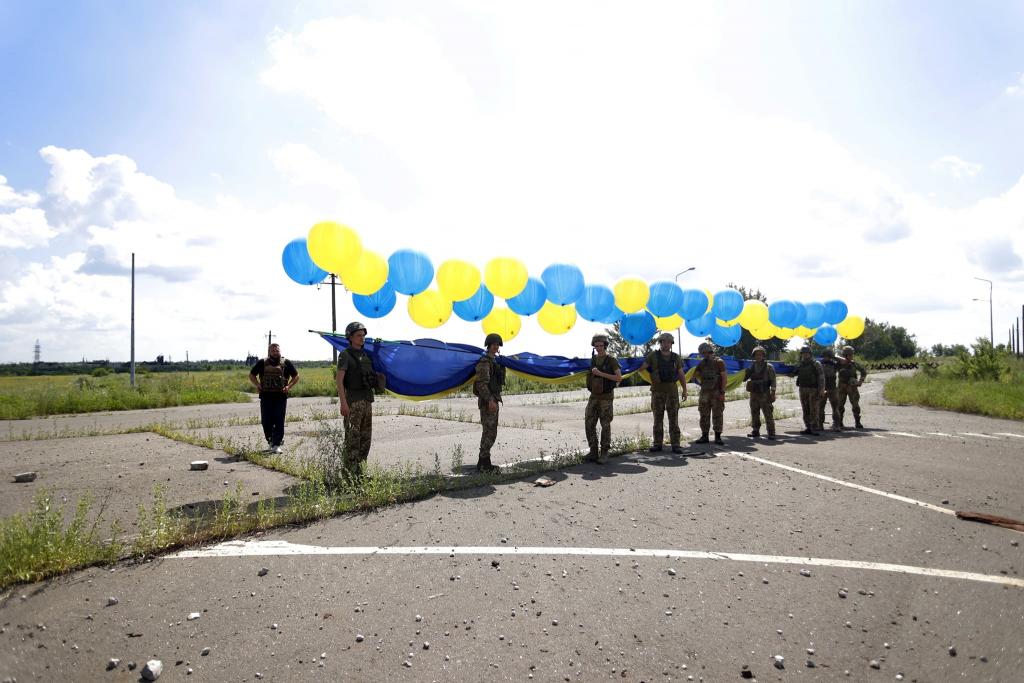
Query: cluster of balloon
x=558 y=298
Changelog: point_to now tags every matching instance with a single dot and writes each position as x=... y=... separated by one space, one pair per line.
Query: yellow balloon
x=765 y=332
x=728 y=323
x=458 y=280
x=711 y=300
x=754 y=314
x=333 y=247
x=804 y=332
x=505 y=277
x=784 y=332
x=502 y=321
x=672 y=322
x=430 y=308
x=851 y=328
x=631 y=294
x=556 y=319
x=368 y=274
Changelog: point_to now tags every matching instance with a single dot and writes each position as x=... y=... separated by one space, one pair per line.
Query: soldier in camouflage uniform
x=356 y=382
x=830 y=367
x=490 y=378
x=810 y=378
x=848 y=383
x=760 y=379
x=604 y=375
x=711 y=375
x=666 y=368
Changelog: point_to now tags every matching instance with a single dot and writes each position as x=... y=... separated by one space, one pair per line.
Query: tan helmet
x=805 y=349
x=602 y=338
x=705 y=348
x=758 y=348
x=666 y=336
x=493 y=338
x=847 y=350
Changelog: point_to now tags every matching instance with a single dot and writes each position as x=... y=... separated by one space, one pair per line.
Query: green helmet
x=353 y=328
x=847 y=350
x=493 y=338
x=599 y=338
x=705 y=348
x=666 y=336
x=829 y=352
x=805 y=349
x=758 y=348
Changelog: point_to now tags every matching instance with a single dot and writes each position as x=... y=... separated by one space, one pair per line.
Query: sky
x=871 y=152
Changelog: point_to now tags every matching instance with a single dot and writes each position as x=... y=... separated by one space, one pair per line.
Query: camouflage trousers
x=832 y=398
x=851 y=391
x=761 y=402
x=809 y=404
x=665 y=402
x=599 y=409
x=358 y=431
x=489 y=423
x=712 y=411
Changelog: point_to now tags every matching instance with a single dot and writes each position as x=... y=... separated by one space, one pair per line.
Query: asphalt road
x=840 y=554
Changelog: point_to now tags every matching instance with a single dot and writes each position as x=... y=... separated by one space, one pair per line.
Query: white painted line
x=285 y=549
x=878 y=436
x=940 y=434
x=913 y=436
x=980 y=436
x=902 y=499
x=1016 y=436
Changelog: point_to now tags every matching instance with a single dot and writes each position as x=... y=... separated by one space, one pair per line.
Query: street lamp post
x=991 y=329
x=679 y=330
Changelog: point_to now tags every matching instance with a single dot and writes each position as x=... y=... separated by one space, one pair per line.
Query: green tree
x=882 y=340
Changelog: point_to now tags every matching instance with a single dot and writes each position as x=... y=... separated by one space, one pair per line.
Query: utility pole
x=334 y=319
x=270 y=338
x=991 y=329
x=679 y=330
x=132 y=363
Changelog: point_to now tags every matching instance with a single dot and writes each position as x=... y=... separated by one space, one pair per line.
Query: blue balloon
x=702 y=326
x=476 y=307
x=564 y=283
x=826 y=335
x=530 y=300
x=835 y=312
x=781 y=313
x=665 y=299
x=638 y=328
x=798 y=317
x=727 y=305
x=616 y=315
x=297 y=264
x=409 y=272
x=726 y=336
x=695 y=304
x=596 y=303
x=376 y=305
x=814 y=315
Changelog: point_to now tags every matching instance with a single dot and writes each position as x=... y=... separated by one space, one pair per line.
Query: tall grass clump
x=987 y=382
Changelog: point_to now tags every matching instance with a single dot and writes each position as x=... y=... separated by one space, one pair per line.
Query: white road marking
x=1016 y=436
x=980 y=436
x=285 y=549
x=913 y=436
x=902 y=499
x=878 y=436
x=940 y=434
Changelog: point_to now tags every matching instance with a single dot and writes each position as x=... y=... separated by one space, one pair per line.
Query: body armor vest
x=709 y=374
x=600 y=385
x=758 y=375
x=366 y=378
x=272 y=378
x=847 y=373
x=664 y=370
x=828 y=366
x=807 y=375
x=497 y=380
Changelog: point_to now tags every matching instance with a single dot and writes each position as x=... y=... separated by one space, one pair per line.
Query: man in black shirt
x=274 y=377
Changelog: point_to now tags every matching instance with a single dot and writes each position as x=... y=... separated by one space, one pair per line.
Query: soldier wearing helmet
x=810 y=378
x=666 y=369
x=711 y=375
x=274 y=377
x=830 y=366
x=604 y=375
x=760 y=379
x=848 y=381
x=356 y=382
x=490 y=378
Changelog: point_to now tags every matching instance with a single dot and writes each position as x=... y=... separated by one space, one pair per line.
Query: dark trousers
x=272 y=409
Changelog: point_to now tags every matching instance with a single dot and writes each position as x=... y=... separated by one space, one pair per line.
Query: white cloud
x=9 y=198
x=956 y=167
x=1016 y=89
x=303 y=166
x=24 y=227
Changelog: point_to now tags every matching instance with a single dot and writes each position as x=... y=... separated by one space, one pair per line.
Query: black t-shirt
x=257 y=372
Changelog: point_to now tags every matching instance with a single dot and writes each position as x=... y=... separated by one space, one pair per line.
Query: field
x=995 y=389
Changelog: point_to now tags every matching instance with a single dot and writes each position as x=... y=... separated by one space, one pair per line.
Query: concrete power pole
x=132 y=362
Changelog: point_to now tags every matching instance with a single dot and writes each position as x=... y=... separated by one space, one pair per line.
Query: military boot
x=656 y=448
x=771 y=436
x=677 y=450
x=703 y=438
x=484 y=465
x=602 y=458
x=592 y=455
x=755 y=434
x=718 y=439
x=857 y=424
